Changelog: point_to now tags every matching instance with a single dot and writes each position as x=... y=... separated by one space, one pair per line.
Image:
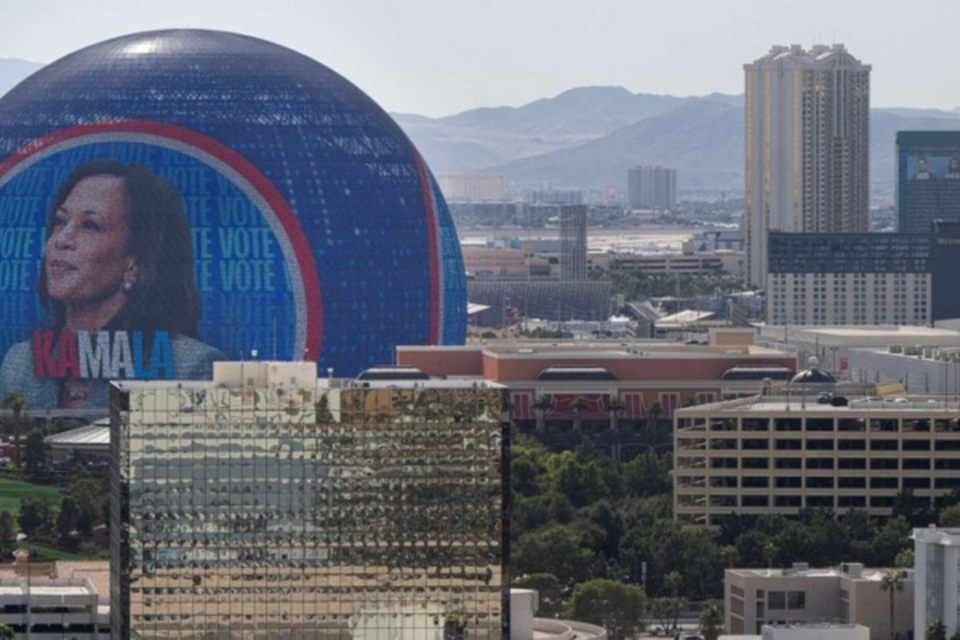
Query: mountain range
x=588 y=137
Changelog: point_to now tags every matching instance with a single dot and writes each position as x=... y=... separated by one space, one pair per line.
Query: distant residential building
x=573 y=243
x=475 y=187
x=784 y=453
x=807 y=146
x=849 y=279
x=487 y=262
x=556 y=196
x=936 y=561
x=786 y=601
x=928 y=179
x=652 y=187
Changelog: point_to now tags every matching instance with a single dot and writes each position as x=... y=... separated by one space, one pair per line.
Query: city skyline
x=418 y=58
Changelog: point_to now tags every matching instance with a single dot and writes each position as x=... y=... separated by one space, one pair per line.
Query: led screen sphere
x=172 y=198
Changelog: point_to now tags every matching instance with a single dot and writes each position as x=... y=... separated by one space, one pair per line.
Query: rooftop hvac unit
x=852 y=569
x=896 y=348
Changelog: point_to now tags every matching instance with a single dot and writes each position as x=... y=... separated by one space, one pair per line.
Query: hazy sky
x=437 y=57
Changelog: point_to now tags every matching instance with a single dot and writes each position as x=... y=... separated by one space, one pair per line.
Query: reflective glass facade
x=928 y=179
x=317 y=230
x=350 y=512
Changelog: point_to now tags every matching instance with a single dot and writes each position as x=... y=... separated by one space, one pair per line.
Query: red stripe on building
x=433 y=242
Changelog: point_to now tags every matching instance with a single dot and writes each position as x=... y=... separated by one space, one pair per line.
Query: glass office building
x=928 y=179
x=308 y=509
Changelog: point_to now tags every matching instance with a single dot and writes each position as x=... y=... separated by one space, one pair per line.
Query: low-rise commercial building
x=781 y=454
x=785 y=598
x=619 y=381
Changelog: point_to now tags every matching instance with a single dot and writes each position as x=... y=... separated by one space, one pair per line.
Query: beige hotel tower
x=807 y=146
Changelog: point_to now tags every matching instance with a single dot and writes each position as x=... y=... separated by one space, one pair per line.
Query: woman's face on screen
x=86 y=258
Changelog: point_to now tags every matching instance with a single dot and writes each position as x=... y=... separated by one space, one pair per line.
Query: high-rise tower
x=807 y=146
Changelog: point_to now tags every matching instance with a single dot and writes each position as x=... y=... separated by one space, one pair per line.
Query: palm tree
x=579 y=405
x=711 y=621
x=613 y=406
x=654 y=413
x=935 y=631
x=542 y=404
x=770 y=554
x=17 y=404
x=892 y=583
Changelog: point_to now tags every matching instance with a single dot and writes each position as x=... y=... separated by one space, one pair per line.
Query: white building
x=936 y=576
x=807 y=147
x=824 y=631
x=474 y=187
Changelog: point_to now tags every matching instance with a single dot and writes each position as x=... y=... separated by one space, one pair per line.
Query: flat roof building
x=781 y=454
x=800 y=597
x=641 y=373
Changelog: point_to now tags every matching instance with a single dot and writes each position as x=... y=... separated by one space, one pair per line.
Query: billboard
x=173 y=198
x=928 y=179
x=141 y=251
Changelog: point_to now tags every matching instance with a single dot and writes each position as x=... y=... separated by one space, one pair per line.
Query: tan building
x=637 y=374
x=807 y=146
x=849 y=594
x=781 y=454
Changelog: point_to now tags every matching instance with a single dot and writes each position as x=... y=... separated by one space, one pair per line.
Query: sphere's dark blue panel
x=367 y=211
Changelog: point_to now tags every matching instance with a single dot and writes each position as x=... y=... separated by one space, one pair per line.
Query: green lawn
x=13 y=491
x=44 y=554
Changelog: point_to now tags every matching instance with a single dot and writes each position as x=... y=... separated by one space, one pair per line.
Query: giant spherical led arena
x=172 y=198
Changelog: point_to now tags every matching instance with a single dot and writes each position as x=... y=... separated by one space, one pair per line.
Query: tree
x=950 y=517
x=654 y=413
x=35 y=453
x=87 y=495
x=892 y=583
x=17 y=404
x=540 y=406
x=7 y=533
x=67 y=519
x=550 y=590
x=935 y=631
x=905 y=559
x=711 y=621
x=7 y=632
x=579 y=405
x=669 y=609
x=613 y=406
x=770 y=554
x=618 y=607
x=35 y=515
x=556 y=550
